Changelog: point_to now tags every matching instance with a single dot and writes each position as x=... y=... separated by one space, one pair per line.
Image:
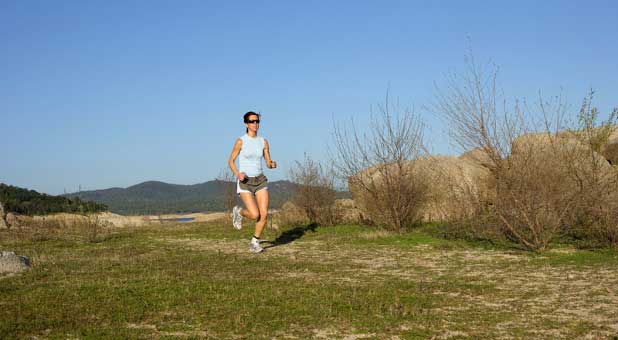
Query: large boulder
x=562 y=151
x=449 y=183
x=290 y=214
x=454 y=182
x=610 y=149
x=11 y=263
x=610 y=152
x=609 y=145
x=479 y=156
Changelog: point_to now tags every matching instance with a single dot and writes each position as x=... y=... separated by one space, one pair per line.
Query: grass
x=346 y=282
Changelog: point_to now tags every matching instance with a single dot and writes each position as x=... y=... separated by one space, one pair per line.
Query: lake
x=180 y=219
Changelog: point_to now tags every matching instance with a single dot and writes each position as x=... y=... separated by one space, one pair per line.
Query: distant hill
x=154 y=197
x=30 y=202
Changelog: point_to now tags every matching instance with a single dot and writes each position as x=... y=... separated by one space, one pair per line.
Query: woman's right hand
x=241 y=176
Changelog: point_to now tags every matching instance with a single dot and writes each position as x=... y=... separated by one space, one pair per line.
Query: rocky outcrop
x=291 y=214
x=563 y=152
x=10 y=263
x=610 y=149
x=478 y=156
x=610 y=152
x=449 y=181
x=453 y=182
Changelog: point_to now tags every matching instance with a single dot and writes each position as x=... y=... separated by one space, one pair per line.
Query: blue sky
x=113 y=93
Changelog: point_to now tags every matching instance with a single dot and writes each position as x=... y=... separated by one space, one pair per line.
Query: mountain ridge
x=156 y=197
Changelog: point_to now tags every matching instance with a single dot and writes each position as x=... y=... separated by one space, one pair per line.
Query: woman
x=251 y=185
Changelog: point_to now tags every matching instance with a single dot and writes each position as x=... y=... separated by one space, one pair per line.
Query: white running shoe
x=255 y=246
x=236 y=218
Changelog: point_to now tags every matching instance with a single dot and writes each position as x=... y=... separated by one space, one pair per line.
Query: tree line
x=29 y=202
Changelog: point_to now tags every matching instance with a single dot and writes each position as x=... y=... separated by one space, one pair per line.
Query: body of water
x=180 y=219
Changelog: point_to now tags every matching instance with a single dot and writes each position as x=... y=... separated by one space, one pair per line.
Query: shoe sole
x=235 y=217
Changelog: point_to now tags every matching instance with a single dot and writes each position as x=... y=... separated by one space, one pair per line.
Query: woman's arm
x=269 y=162
x=235 y=151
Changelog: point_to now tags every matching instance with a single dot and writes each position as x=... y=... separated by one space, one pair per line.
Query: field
x=198 y=280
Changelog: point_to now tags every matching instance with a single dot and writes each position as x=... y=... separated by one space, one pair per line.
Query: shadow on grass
x=291 y=235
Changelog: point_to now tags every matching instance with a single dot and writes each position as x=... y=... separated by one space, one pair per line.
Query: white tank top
x=250 y=157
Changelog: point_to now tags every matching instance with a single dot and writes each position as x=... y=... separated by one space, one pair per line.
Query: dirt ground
x=543 y=298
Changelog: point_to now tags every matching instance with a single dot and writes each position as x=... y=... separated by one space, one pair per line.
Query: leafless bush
x=228 y=181
x=547 y=172
x=540 y=173
x=596 y=213
x=314 y=192
x=378 y=166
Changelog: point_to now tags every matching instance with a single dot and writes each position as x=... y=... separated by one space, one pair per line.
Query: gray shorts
x=252 y=184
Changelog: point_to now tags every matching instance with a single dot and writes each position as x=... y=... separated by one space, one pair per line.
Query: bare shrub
x=378 y=166
x=596 y=214
x=228 y=183
x=314 y=192
x=538 y=173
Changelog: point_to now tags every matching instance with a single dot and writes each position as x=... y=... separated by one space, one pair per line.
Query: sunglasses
x=253 y=121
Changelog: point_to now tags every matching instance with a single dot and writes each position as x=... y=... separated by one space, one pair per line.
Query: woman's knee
x=263 y=217
x=253 y=214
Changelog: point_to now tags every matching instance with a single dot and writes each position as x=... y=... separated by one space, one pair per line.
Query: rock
x=3 y=224
x=609 y=149
x=610 y=152
x=11 y=220
x=563 y=151
x=347 y=212
x=291 y=214
x=453 y=184
x=11 y=263
x=479 y=156
x=448 y=181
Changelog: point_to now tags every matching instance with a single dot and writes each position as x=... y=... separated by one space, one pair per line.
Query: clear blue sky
x=113 y=93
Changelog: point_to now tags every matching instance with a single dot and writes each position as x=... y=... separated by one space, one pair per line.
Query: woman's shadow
x=291 y=235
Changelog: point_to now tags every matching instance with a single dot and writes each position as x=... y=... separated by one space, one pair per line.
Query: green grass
x=200 y=281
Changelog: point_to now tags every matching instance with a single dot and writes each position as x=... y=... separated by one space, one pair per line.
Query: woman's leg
x=262 y=202
x=251 y=210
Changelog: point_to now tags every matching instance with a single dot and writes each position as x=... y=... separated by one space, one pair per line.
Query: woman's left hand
x=272 y=164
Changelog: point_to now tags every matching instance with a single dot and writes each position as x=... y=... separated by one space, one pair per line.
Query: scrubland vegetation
x=529 y=174
x=514 y=238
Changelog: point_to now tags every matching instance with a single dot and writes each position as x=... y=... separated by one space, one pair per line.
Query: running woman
x=251 y=184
